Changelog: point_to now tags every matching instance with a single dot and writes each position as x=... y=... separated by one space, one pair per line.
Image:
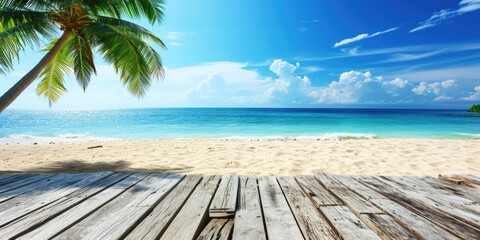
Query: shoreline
x=377 y=156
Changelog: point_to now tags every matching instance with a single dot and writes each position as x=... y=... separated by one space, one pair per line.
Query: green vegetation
x=83 y=26
x=475 y=108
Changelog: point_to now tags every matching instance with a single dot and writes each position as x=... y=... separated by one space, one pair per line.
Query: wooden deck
x=108 y=205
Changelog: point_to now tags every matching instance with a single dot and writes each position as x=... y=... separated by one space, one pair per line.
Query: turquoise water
x=16 y=125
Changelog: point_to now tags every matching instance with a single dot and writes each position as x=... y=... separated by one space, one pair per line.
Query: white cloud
x=358 y=87
x=362 y=36
x=286 y=89
x=474 y=96
x=399 y=82
x=436 y=88
x=442 y=15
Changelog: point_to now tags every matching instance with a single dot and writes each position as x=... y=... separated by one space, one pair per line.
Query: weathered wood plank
x=225 y=199
x=162 y=215
x=195 y=211
x=226 y=233
x=213 y=229
x=57 y=187
x=356 y=203
x=347 y=224
x=469 y=211
x=42 y=215
x=450 y=223
x=279 y=220
x=359 y=188
x=386 y=227
x=77 y=213
x=16 y=184
x=248 y=217
x=471 y=192
x=117 y=217
x=419 y=226
x=11 y=178
x=311 y=222
x=317 y=192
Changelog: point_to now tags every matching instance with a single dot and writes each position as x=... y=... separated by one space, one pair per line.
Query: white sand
x=213 y=156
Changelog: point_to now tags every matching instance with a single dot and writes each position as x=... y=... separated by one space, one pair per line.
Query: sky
x=278 y=53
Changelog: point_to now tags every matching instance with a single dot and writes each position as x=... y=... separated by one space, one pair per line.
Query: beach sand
x=245 y=157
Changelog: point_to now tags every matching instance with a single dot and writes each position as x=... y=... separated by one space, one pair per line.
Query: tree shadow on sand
x=79 y=166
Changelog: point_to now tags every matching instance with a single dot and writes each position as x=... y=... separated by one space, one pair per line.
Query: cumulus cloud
x=436 y=88
x=440 y=16
x=362 y=36
x=358 y=87
x=286 y=89
x=474 y=96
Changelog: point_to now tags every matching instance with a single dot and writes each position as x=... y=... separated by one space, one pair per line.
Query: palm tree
x=83 y=26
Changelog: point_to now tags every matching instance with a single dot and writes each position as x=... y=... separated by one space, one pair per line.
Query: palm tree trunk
x=26 y=80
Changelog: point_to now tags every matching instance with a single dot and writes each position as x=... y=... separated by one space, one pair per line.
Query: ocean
x=235 y=123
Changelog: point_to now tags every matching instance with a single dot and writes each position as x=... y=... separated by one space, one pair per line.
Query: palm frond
x=150 y=9
x=13 y=38
x=51 y=85
x=80 y=50
x=136 y=62
x=129 y=28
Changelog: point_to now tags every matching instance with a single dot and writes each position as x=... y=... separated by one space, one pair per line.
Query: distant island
x=475 y=108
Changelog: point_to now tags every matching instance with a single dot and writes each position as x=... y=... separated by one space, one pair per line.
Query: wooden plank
x=195 y=211
x=11 y=178
x=40 y=197
x=19 y=183
x=471 y=192
x=42 y=215
x=356 y=203
x=347 y=224
x=419 y=184
x=419 y=226
x=316 y=192
x=386 y=227
x=116 y=218
x=311 y=222
x=279 y=220
x=248 y=217
x=213 y=229
x=450 y=223
x=225 y=199
x=467 y=211
x=77 y=213
x=359 y=188
x=226 y=233
x=162 y=215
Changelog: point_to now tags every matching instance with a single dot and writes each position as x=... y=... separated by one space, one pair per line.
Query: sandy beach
x=245 y=157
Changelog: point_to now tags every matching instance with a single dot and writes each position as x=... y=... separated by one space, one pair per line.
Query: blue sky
x=273 y=53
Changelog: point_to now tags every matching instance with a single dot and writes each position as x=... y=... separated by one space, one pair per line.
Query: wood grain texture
x=213 y=230
x=50 y=191
x=311 y=222
x=43 y=215
x=75 y=214
x=347 y=224
x=248 y=217
x=117 y=217
x=450 y=223
x=195 y=211
x=279 y=220
x=162 y=215
x=225 y=199
x=386 y=227
x=316 y=192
